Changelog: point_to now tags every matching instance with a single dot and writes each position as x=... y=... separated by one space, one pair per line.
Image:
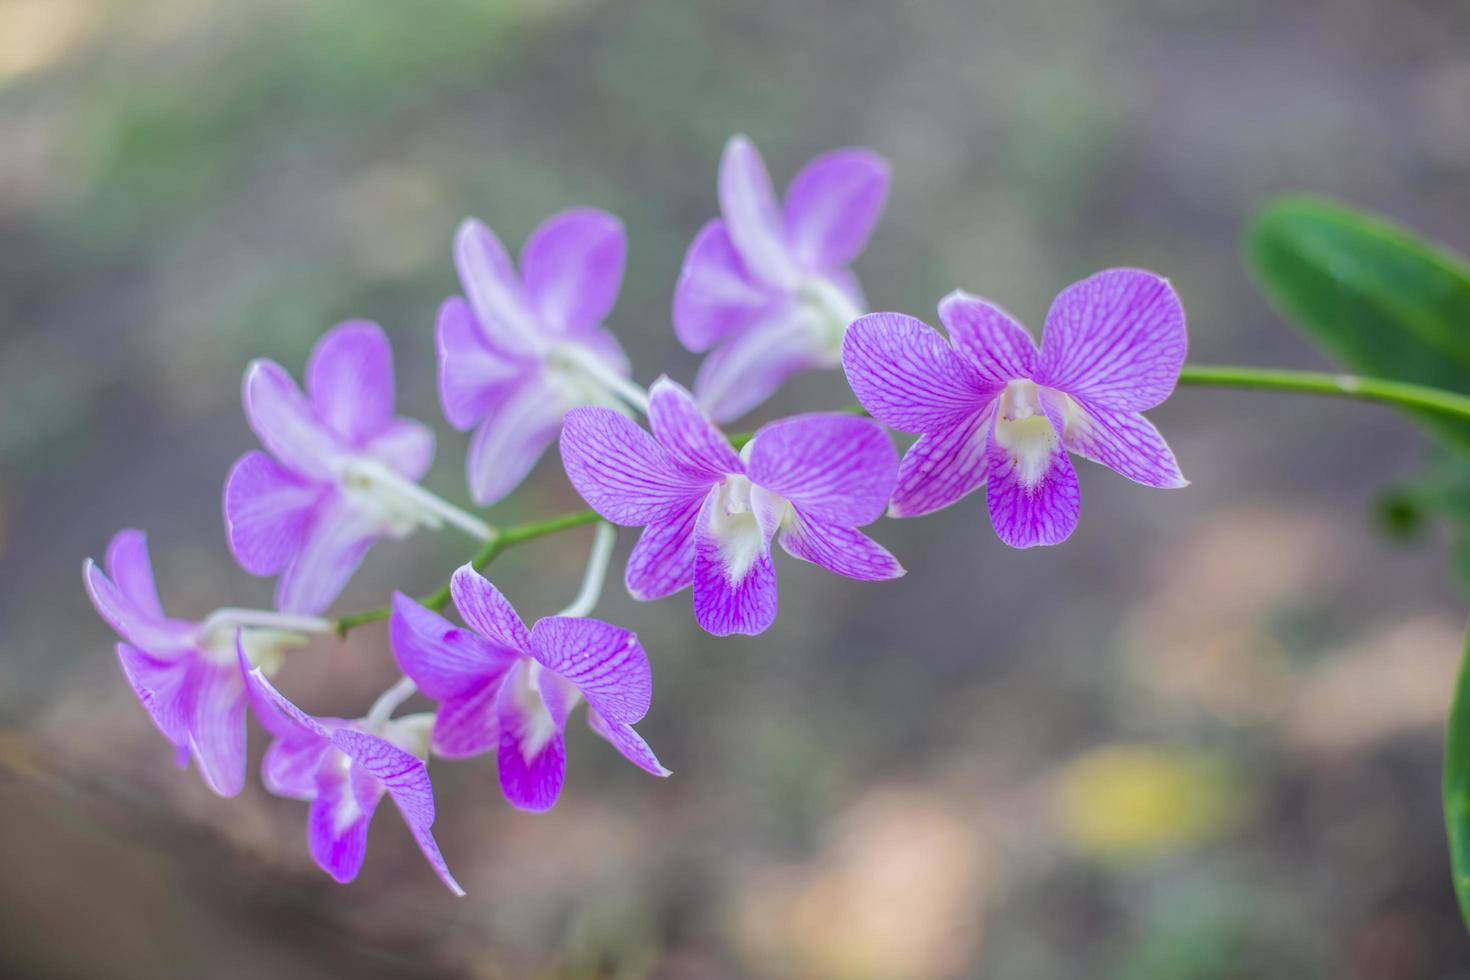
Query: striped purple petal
x=841 y=468
x=997 y=347
x=1031 y=487
x=942 y=466
x=662 y=560
x=832 y=206
x=488 y=612
x=734 y=577
x=621 y=471
x=628 y=742
x=1125 y=442
x=686 y=432
x=906 y=375
x=532 y=757
x=604 y=662
x=1117 y=339
x=838 y=548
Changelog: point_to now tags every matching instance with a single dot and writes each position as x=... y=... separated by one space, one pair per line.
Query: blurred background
x=1198 y=741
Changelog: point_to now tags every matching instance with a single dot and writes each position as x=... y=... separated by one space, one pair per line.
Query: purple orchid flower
x=504 y=687
x=768 y=288
x=343 y=769
x=991 y=409
x=185 y=673
x=710 y=515
x=340 y=472
x=517 y=351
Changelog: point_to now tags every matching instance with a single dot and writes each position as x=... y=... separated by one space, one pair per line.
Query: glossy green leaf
x=1457 y=789
x=1376 y=297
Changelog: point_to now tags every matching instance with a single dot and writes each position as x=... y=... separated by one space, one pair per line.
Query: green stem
x=505 y=537
x=1400 y=393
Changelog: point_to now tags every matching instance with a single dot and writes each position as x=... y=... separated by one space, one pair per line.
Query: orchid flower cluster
x=524 y=358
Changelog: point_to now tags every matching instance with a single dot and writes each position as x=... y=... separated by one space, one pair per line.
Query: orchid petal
x=532 y=757
x=573 y=267
x=406 y=779
x=337 y=542
x=621 y=471
x=268 y=512
x=662 y=560
x=487 y=611
x=749 y=367
x=716 y=295
x=290 y=766
x=604 y=662
x=838 y=548
x=131 y=570
x=833 y=204
x=907 y=377
x=1117 y=339
x=997 y=347
x=217 y=728
x=942 y=466
x=628 y=742
x=473 y=375
x=156 y=635
x=442 y=659
x=1125 y=442
x=405 y=446
x=734 y=577
x=494 y=291
x=159 y=686
x=467 y=723
x=286 y=423
x=685 y=431
x=841 y=468
x=350 y=378
x=337 y=824
x=513 y=436
x=752 y=215
x=1031 y=490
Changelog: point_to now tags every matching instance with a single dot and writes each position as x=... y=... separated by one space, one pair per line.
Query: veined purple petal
x=838 y=548
x=488 y=612
x=285 y=422
x=159 y=686
x=405 y=446
x=474 y=376
x=662 y=561
x=496 y=295
x=290 y=766
x=841 y=468
x=160 y=637
x=997 y=347
x=752 y=215
x=350 y=378
x=626 y=741
x=467 y=723
x=684 y=430
x=621 y=471
x=336 y=543
x=833 y=204
x=337 y=824
x=734 y=577
x=747 y=368
x=942 y=466
x=442 y=659
x=1125 y=442
x=131 y=570
x=268 y=512
x=716 y=296
x=907 y=377
x=1116 y=339
x=513 y=436
x=217 y=728
x=572 y=266
x=604 y=662
x=1031 y=489
x=532 y=757
x=406 y=779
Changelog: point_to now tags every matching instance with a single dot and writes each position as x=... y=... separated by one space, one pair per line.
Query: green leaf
x=1457 y=788
x=1376 y=297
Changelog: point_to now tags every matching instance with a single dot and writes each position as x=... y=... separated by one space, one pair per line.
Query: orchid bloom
x=185 y=673
x=993 y=410
x=507 y=688
x=517 y=351
x=710 y=514
x=340 y=472
x=769 y=288
x=343 y=769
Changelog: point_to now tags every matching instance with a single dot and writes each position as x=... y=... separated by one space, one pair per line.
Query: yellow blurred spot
x=36 y=33
x=1122 y=801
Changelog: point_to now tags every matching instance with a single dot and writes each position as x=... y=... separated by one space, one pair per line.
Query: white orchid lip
x=1023 y=430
